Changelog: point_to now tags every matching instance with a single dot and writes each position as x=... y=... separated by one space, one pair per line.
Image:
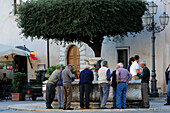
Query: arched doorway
x=73 y=57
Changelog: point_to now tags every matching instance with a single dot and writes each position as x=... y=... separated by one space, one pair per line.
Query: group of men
x=118 y=79
x=63 y=80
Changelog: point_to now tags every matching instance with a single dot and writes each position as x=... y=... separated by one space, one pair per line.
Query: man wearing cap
x=51 y=85
x=67 y=77
x=145 y=76
x=85 y=85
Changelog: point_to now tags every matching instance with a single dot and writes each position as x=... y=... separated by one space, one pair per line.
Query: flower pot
x=18 y=96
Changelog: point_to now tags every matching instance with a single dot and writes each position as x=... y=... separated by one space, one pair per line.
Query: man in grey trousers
x=104 y=86
x=60 y=92
x=145 y=76
x=67 y=87
x=50 y=87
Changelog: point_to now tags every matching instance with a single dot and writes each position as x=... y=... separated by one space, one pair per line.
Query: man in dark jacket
x=167 y=73
x=145 y=83
x=114 y=85
x=86 y=78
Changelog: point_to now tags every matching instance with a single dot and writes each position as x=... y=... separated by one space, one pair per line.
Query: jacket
x=145 y=75
x=104 y=75
x=167 y=75
x=60 y=81
x=86 y=76
x=54 y=77
x=114 y=81
x=67 y=76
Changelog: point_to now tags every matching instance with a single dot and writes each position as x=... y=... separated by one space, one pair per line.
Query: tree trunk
x=96 y=48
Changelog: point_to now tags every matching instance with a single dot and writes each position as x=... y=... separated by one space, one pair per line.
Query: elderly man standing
x=104 y=86
x=67 y=77
x=123 y=77
x=86 y=78
x=145 y=83
x=50 y=87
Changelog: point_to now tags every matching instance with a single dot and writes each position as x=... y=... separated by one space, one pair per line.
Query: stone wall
x=133 y=91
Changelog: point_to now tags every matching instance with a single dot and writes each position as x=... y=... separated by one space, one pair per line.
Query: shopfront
x=12 y=60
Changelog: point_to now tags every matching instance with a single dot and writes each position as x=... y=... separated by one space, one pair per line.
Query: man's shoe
x=87 y=108
x=113 y=107
x=117 y=108
x=103 y=108
x=60 y=108
x=145 y=107
x=64 y=109
x=81 y=108
x=49 y=107
x=166 y=104
x=70 y=108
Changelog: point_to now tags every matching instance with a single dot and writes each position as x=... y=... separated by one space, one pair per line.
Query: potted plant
x=19 y=81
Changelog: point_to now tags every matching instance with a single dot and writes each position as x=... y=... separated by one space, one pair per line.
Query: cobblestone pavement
x=4 y=108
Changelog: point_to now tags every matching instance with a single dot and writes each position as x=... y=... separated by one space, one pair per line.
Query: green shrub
x=53 y=68
x=19 y=81
x=39 y=76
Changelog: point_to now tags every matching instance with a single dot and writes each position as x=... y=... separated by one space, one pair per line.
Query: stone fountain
x=133 y=89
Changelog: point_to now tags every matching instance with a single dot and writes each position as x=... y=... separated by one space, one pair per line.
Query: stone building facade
x=117 y=50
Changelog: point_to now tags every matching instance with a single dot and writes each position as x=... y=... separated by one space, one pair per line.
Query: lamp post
x=151 y=26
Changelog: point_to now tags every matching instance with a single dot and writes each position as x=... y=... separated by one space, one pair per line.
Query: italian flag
x=31 y=54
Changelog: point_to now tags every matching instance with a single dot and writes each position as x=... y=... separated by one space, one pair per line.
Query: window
x=123 y=55
x=16 y=4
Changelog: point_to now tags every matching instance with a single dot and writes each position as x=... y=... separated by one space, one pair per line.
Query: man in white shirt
x=134 y=69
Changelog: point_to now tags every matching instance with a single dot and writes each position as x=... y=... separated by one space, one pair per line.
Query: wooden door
x=74 y=57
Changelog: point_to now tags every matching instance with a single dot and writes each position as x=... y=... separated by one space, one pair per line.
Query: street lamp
x=151 y=26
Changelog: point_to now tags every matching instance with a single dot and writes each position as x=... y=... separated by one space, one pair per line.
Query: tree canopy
x=85 y=21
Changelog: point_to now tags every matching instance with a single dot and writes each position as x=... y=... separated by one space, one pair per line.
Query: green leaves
x=51 y=69
x=80 y=20
x=19 y=81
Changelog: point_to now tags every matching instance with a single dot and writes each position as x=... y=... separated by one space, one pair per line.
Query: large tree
x=80 y=20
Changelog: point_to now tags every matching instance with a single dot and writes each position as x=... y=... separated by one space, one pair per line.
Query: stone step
x=97 y=105
x=161 y=98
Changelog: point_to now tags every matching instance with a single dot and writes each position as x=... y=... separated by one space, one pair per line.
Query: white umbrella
x=7 y=50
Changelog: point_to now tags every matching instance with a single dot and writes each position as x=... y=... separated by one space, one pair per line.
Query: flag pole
x=28 y=58
x=48 y=54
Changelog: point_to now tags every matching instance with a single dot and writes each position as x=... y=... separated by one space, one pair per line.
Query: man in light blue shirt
x=123 y=76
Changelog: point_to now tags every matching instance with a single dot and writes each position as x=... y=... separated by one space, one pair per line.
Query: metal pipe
x=48 y=54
